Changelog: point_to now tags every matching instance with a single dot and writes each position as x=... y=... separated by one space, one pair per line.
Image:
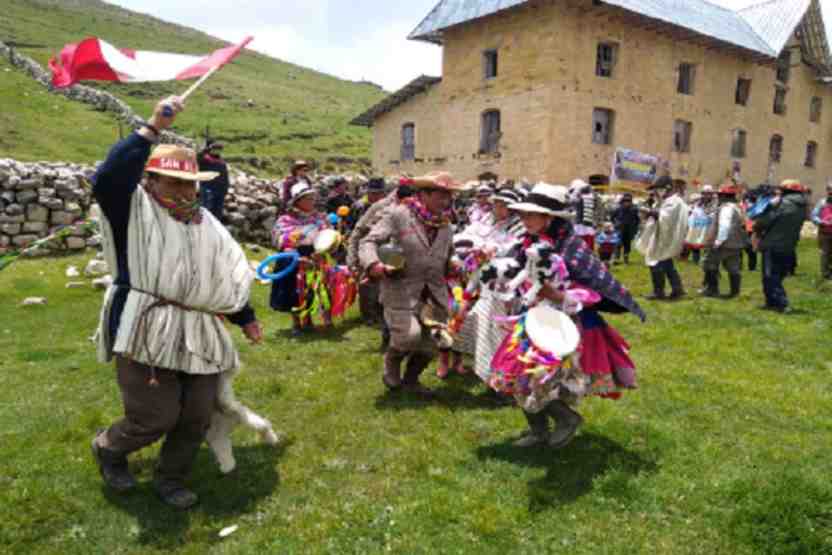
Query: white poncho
x=199 y=266
x=664 y=238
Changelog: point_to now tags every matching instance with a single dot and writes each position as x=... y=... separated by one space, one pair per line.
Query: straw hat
x=545 y=199
x=442 y=181
x=792 y=185
x=177 y=161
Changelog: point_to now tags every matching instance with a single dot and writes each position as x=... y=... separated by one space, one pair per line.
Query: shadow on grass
x=159 y=526
x=453 y=398
x=335 y=333
x=573 y=471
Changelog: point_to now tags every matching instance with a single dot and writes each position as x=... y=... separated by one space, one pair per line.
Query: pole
x=168 y=112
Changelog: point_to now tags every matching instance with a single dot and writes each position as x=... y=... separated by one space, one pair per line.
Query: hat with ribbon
x=176 y=161
x=441 y=181
x=508 y=196
x=545 y=199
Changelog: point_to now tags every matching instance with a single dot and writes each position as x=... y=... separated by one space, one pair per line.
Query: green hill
x=268 y=111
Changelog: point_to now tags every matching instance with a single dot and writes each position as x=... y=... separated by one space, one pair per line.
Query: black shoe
x=175 y=495
x=656 y=297
x=113 y=467
x=677 y=295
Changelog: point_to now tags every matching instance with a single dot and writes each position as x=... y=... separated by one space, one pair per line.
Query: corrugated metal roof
x=452 y=12
x=763 y=28
x=775 y=21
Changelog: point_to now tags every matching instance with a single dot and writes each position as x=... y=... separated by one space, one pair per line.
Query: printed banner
x=634 y=170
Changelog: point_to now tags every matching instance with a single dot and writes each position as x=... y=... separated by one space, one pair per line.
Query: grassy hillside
x=295 y=112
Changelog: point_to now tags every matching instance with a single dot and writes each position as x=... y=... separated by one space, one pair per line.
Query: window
x=490 y=137
x=743 y=91
x=605 y=61
x=489 y=64
x=686 y=76
x=775 y=149
x=784 y=62
x=738 y=144
x=815 y=109
x=602 y=123
x=780 y=101
x=811 y=154
x=408 y=142
x=681 y=135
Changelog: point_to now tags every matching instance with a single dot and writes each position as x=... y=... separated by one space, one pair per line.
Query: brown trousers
x=180 y=409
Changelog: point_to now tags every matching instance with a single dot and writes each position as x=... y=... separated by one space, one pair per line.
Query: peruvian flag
x=95 y=60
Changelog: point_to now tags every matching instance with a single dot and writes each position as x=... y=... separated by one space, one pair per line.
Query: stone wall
x=38 y=199
x=99 y=100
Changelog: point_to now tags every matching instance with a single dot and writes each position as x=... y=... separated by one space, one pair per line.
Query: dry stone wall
x=41 y=198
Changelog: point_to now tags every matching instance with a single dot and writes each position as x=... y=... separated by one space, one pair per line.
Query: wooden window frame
x=606 y=68
x=489 y=136
x=609 y=130
x=682 y=136
x=685 y=85
x=490 y=64
x=408 y=150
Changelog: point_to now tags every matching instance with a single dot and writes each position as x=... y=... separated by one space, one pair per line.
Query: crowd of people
x=514 y=277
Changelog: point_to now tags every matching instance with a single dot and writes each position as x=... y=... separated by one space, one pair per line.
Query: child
x=608 y=241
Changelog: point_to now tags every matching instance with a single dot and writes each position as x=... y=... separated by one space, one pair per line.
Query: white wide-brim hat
x=300 y=190
x=545 y=199
x=552 y=331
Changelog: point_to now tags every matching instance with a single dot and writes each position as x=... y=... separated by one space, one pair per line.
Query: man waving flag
x=96 y=60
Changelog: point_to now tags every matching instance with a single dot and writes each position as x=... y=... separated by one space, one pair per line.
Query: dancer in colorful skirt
x=582 y=285
x=299 y=293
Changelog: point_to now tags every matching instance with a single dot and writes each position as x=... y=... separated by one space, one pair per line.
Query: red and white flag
x=95 y=60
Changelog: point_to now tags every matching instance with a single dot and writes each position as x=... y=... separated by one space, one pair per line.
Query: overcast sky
x=352 y=39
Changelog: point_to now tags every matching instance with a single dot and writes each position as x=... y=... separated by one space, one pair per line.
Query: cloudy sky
x=353 y=39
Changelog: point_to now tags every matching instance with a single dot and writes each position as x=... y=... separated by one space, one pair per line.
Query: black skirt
x=284 y=295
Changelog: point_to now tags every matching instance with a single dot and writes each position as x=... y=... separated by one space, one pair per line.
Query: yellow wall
x=546 y=90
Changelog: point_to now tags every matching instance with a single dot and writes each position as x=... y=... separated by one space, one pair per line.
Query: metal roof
x=418 y=85
x=763 y=28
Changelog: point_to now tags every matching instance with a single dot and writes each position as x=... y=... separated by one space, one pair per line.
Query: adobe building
x=548 y=89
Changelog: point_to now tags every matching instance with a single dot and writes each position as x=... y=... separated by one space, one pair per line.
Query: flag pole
x=168 y=111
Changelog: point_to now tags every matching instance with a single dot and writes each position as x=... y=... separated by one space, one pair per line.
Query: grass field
x=726 y=448
x=296 y=112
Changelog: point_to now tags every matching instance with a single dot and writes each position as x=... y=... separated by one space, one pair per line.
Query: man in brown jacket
x=420 y=227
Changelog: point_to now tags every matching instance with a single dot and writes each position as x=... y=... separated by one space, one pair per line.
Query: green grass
x=726 y=448
x=297 y=112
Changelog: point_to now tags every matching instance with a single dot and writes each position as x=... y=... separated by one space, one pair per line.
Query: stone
x=76 y=243
x=24 y=240
x=72 y=272
x=75 y=284
x=30 y=183
x=62 y=218
x=35 y=227
x=7 y=196
x=7 y=219
x=10 y=229
x=96 y=268
x=102 y=282
x=5 y=241
x=25 y=197
x=33 y=301
x=46 y=192
x=94 y=241
x=73 y=208
x=51 y=203
x=37 y=213
x=14 y=210
x=12 y=182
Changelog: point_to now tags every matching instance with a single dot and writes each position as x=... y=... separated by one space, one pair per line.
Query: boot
x=568 y=422
x=113 y=467
x=657 y=276
x=711 y=288
x=174 y=494
x=392 y=377
x=736 y=285
x=677 y=290
x=538 y=431
x=416 y=364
